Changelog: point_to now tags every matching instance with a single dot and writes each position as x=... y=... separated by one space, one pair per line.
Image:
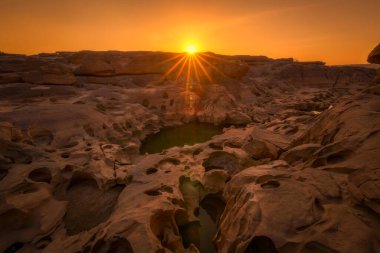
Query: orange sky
x=335 y=31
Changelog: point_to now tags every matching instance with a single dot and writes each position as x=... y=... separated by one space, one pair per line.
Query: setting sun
x=191 y=49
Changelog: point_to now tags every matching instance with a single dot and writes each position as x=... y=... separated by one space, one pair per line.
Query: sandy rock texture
x=296 y=169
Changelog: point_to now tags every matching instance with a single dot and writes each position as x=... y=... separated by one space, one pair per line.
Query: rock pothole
x=88 y=206
x=150 y=171
x=270 y=184
x=261 y=244
x=199 y=224
x=41 y=136
x=14 y=247
x=113 y=245
x=40 y=175
x=222 y=160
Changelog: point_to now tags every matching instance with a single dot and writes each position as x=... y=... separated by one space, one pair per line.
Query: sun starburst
x=193 y=68
x=191 y=49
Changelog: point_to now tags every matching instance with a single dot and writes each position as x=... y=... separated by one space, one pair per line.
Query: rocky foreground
x=297 y=168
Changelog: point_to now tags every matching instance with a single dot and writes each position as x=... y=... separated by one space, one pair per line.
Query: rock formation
x=296 y=168
x=374 y=57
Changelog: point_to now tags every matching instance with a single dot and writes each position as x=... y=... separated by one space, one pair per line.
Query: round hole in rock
x=26 y=188
x=43 y=242
x=261 y=244
x=338 y=157
x=40 y=175
x=316 y=247
x=197 y=151
x=153 y=192
x=270 y=184
x=14 y=247
x=187 y=134
x=318 y=162
x=215 y=146
x=84 y=212
x=65 y=155
x=107 y=146
x=113 y=245
x=170 y=160
x=3 y=173
x=196 y=212
x=151 y=171
x=166 y=188
x=233 y=144
x=222 y=160
x=71 y=144
x=214 y=205
x=41 y=136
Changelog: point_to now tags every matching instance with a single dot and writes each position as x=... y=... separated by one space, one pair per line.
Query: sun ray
x=173 y=68
x=171 y=58
x=188 y=75
x=180 y=72
x=212 y=66
x=204 y=70
x=196 y=70
x=193 y=69
x=214 y=56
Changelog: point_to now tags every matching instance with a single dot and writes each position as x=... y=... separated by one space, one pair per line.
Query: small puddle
x=201 y=233
x=187 y=134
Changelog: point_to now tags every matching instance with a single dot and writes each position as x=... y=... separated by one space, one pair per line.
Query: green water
x=207 y=232
x=187 y=134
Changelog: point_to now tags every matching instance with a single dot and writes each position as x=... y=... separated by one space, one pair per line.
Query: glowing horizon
x=191 y=49
x=327 y=30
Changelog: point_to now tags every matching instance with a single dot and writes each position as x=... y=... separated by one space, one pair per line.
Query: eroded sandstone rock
x=72 y=177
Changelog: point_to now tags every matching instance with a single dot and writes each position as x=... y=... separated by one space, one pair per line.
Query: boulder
x=237 y=118
x=300 y=153
x=374 y=56
x=259 y=149
x=364 y=185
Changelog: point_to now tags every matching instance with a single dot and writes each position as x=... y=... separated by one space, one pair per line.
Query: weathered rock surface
x=296 y=168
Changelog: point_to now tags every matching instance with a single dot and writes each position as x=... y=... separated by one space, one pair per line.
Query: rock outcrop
x=374 y=56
